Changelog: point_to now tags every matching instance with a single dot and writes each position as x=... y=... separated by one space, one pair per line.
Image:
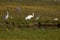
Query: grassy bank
x=30 y=34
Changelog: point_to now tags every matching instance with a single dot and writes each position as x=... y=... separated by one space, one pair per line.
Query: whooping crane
x=6 y=17
x=56 y=19
x=11 y=17
x=29 y=16
x=37 y=17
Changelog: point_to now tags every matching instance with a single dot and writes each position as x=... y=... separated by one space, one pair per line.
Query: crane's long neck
x=7 y=13
x=32 y=14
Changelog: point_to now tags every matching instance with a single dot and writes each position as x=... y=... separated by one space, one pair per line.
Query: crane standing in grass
x=6 y=16
x=29 y=16
x=56 y=22
x=55 y=19
x=37 y=17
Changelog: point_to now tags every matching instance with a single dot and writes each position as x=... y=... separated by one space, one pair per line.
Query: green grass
x=30 y=34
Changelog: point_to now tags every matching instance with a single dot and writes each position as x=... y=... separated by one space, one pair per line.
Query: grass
x=30 y=34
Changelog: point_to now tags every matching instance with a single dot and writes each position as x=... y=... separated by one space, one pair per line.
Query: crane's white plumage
x=56 y=19
x=37 y=17
x=29 y=16
x=11 y=17
x=6 y=17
